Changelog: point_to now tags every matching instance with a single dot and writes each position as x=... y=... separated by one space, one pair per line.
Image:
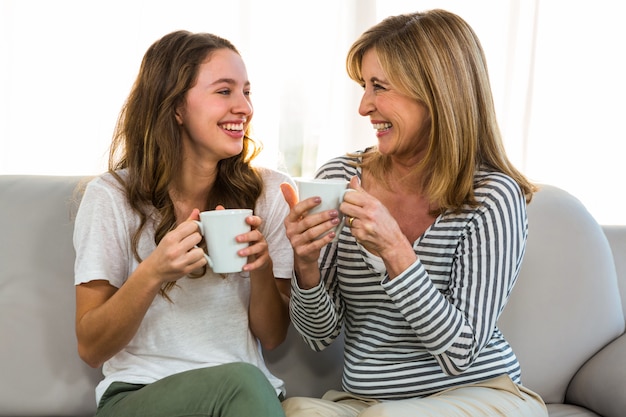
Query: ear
x=179 y=115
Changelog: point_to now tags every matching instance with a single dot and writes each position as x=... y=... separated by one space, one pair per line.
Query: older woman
x=434 y=240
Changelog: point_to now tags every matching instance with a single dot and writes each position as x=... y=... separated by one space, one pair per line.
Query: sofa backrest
x=566 y=303
x=561 y=311
x=616 y=234
x=40 y=371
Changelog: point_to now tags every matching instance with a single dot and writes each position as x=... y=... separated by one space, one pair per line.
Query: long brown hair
x=436 y=58
x=147 y=140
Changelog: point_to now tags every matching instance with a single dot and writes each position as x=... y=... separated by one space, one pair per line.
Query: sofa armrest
x=600 y=384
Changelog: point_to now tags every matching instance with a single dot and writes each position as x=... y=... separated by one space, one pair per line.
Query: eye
x=247 y=93
x=224 y=92
x=378 y=87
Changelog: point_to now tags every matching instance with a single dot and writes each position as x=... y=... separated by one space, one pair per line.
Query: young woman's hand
x=177 y=255
x=257 y=250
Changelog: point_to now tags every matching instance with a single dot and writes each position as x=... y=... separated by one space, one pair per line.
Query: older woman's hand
x=304 y=231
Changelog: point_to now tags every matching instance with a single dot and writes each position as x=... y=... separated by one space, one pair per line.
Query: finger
x=191 y=240
x=251 y=236
x=220 y=207
x=195 y=257
x=254 y=221
x=186 y=228
x=256 y=262
x=193 y=261
x=256 y=244
x=289 y=193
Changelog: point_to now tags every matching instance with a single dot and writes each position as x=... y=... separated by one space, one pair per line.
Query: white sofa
x=565 y=319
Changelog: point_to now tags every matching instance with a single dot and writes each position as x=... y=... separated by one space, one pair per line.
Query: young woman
x=173 y=337
x=434 y=240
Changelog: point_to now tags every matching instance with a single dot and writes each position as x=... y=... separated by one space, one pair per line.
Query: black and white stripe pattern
x=433 y=326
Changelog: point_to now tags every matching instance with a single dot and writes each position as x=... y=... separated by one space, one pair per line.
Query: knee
x=376 y=410
x=293 y=406
x=247 y=380
x=244 y=370
x=232 y=379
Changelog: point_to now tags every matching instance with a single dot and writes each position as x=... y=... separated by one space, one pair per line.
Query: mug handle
x=206 y=256
x=343 y=218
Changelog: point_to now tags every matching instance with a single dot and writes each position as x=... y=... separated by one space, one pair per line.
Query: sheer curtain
x=556 y=68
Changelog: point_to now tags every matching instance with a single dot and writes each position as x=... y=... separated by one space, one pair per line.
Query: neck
x=191 y=189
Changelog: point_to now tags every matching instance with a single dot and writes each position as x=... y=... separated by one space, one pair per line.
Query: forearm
x=315 y=314
x=269 y=307
x=307 y=274
x=398 y=256
x=437 y=323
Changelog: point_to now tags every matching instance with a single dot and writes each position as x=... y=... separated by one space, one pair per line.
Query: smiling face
x=402 y=123
x=217 y=109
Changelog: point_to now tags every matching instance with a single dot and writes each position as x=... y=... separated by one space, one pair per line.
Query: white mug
x=331 y=191
x=219 y=228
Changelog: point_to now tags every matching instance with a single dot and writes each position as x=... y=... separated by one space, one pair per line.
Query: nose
x=243 y=105
x=366 y=105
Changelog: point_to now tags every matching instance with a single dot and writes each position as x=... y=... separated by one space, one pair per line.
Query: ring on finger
x=350 y=220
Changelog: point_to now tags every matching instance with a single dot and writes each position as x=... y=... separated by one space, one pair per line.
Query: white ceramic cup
x=219 y=228
x=331 y=191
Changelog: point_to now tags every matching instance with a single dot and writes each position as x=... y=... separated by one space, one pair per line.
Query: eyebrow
x=378 y=80
x=230 y=81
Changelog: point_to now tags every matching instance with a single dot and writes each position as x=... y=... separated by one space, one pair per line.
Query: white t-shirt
x=206 y=324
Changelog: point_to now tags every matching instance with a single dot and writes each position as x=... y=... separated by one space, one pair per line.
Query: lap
x=496 y=397
x=224 y=390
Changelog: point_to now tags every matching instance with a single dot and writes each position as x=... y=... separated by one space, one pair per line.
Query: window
x=68 y=66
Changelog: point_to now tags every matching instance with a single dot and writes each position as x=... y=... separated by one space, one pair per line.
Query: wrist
x=307 y=276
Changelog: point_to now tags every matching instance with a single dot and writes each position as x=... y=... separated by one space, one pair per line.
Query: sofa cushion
x=601 y=383
x=567 y=410
x=40 y=371
x=297 y=364
x=566 y=304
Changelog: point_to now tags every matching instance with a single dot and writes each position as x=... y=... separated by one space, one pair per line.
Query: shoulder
x=105 y=193
x=272 y=177
x=271 y=205
x=107 y=183
x=491 y=182
x=272 y=194
x=345 y=166
x=498 y=189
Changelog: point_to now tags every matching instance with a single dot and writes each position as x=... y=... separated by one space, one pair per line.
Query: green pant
x=230 y=390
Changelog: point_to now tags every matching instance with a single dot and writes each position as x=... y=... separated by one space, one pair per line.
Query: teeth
x=233 y=126
x=381 y=126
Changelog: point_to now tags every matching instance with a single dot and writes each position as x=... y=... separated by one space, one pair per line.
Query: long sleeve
x=455 y=324
x=434 y=326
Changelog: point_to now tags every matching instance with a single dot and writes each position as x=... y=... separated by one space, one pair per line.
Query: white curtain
x=556 y=68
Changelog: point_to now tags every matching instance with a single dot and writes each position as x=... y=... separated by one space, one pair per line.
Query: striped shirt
x=433 y=326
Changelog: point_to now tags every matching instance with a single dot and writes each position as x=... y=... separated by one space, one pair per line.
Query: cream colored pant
x=496 y=397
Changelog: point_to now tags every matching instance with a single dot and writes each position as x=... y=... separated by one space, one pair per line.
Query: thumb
x=195 y=214
x=219 y=207
x=355 y=183
x=290 y=195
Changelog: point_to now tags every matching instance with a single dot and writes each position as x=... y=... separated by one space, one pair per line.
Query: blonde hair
x=436 y=58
